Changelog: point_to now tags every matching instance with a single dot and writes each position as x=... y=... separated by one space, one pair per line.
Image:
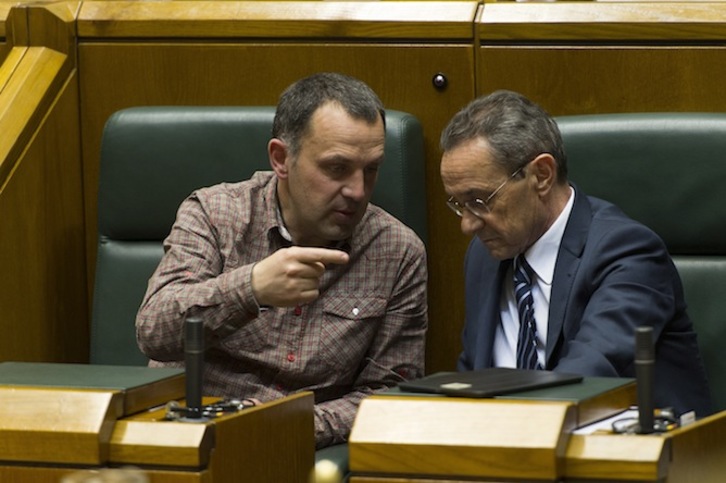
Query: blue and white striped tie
x=527 y=343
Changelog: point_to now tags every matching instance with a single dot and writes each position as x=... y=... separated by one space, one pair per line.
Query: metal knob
x=440 y=81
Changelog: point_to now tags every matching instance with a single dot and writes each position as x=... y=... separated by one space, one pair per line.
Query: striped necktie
x=527 y=343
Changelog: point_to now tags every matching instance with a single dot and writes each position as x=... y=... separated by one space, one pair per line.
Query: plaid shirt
x=364 y=333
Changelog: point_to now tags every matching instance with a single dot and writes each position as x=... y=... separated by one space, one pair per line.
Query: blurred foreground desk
x=420 y=438
x=57 y=419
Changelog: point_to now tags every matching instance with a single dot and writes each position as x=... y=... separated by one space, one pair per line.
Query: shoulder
x=609 y=221
x=594 y=221
x=258 y=183
x=227 y=201
x=386 y=235
x=615 y=243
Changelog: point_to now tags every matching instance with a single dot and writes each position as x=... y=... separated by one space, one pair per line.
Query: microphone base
x=664 y=420
x=176 y=412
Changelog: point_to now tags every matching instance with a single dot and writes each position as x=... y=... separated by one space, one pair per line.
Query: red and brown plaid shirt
x=364 y=333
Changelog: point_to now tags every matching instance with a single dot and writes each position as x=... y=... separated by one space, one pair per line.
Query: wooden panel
x=256 y=73
x=57 y=425
x=691 y=454
x=600 y=79
x=587 y=58
x=268 y=443
x=612 y=457
x=274 y=442
x=698 y=451
x=155 y=443
x=5 y=7
x=9 y=64
x=15 y=24
x=30 y=474
x=53 y=25
x=474 y=438
x=542 y=21
x=24 y=98
x=391 y=20
x=42 y=251
x=373 y=479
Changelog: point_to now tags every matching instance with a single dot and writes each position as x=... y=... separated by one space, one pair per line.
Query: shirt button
x=298 y=310
x=291 y=357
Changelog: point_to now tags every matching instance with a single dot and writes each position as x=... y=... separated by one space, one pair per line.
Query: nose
x=355 y=186
x=470 y=223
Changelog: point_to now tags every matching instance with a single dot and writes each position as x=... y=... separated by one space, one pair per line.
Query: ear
x=544 y=167
x=278 y=154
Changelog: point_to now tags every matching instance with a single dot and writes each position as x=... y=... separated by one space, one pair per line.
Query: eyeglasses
x=477 y=206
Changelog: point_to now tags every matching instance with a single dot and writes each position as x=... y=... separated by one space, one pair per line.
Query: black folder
x=490 y=382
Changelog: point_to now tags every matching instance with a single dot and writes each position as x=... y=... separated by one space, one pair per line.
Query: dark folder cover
x=489 y=382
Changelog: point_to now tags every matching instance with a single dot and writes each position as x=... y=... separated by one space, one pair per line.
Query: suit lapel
x=490 y=317
x=566 y=266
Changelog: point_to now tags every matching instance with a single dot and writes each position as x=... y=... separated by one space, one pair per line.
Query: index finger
x=322 y=255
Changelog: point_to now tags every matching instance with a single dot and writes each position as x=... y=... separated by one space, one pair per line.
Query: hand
x=291 y=276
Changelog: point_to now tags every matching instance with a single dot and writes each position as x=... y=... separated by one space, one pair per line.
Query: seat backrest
x=667 y=170
x=154 y=157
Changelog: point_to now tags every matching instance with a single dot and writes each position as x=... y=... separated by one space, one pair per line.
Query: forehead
x=331 y=122
x=470 y=168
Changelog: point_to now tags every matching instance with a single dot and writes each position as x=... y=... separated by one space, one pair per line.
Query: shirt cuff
x=237 y=288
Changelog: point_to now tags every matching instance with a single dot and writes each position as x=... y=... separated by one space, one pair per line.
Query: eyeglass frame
x=458 y=208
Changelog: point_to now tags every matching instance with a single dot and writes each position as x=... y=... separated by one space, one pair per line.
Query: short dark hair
x=516 y=129
x=300 y=100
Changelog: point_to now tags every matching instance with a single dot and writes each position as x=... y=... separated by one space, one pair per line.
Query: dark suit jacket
x=612 y=275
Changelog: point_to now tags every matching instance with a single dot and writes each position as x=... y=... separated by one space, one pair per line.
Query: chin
x=342 y=235
x=499 y=252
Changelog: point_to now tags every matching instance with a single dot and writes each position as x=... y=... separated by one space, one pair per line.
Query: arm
x=195 y=273
x=626 y=279
x=395 y=354
x=191 y=274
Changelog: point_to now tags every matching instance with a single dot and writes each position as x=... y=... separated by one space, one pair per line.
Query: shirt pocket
x=349 y=327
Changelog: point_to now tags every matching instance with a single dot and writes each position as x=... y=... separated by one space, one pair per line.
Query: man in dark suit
x=588 y=274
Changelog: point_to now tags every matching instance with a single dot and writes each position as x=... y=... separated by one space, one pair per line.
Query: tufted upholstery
x=667 y=171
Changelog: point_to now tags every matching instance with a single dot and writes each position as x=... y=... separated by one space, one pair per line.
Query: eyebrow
x=475 y=193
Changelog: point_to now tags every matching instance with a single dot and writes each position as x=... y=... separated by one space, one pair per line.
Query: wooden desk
x=430 y=439
x=47 y=433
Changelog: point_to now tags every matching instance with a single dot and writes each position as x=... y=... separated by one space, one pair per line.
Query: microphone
x=644 y=372
x=194 y=361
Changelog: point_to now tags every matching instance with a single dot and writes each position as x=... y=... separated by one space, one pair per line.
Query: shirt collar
x=543 y=254
x=279 y=222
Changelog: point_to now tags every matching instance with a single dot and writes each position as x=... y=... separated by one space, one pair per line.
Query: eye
x=373 y=169
x=336 y=169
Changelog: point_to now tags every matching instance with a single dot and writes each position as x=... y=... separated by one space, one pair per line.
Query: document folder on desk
x=489 y=382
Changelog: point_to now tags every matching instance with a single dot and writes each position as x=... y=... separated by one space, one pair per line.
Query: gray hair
x=516 y=129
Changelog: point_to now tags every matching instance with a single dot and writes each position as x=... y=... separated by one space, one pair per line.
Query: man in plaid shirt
x=301 y=283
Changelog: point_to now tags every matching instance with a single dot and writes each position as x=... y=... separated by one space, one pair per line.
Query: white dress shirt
x=541 y=256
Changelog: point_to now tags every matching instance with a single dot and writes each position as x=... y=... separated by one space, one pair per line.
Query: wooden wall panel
x=42 y=240
x=42 y=288
x=582 y=58
x=118 y=75
x=4 y=12
x=615 y=78
x=4 y=45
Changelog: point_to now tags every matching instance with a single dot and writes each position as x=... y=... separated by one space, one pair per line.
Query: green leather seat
x=153 y=157
x=667 y=170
